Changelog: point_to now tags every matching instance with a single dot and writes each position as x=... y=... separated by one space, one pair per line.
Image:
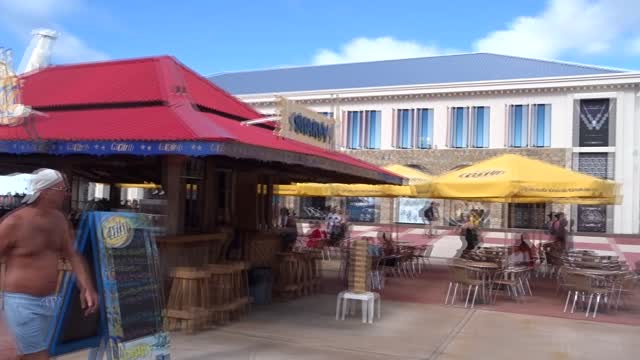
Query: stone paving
x=306 y=329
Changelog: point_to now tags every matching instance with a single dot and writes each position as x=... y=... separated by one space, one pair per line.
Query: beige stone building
x=439 y=113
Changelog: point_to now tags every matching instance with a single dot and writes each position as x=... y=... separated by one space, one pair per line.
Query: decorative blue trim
x=188 y=148
x=141 y=148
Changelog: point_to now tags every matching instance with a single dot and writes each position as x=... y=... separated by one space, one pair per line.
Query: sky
x=216 y=36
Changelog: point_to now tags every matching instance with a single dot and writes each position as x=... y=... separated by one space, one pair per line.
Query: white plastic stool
x=367 y=300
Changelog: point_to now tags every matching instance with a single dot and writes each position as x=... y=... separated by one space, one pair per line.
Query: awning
x=359 y=190
x=518 y=179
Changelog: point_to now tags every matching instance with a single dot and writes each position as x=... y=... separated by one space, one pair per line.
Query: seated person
x=289 y=233
x=522 y=251
x=317 y=236
x=388 y=248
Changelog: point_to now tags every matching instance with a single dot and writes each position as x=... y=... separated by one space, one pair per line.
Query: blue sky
x=214 y=36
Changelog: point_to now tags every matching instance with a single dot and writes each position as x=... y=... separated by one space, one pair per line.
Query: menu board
x=136 y=288
x=125 y=259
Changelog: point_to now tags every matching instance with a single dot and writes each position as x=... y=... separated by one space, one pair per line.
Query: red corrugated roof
x=127 y=81
x=152 y=99
x=207 y=95
x=138 y=123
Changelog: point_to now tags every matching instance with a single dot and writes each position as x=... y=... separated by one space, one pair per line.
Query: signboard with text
x=123 y=258
x=304 y=125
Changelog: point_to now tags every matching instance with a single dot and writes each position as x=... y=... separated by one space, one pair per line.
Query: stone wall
x=438 y=161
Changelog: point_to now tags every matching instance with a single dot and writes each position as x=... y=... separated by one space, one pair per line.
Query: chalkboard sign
x=72 y=331
x=123 y=257
x=136 y=288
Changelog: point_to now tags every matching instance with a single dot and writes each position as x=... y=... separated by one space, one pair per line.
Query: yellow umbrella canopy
x=414 y=176
x=515 y=178
x=353 y=190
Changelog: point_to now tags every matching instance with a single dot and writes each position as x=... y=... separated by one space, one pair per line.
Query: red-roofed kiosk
x=154 y=120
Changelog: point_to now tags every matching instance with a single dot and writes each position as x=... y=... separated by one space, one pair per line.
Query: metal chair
x=460 y=278
x=583 y=284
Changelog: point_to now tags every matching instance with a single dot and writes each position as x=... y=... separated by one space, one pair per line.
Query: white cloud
x=582 y=26
x=69 y=48
x=381 y=48
x=22 y=16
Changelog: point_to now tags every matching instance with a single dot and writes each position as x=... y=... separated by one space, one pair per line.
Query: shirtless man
x=32 y=240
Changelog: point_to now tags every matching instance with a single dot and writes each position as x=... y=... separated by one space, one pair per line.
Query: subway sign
x=303 y=125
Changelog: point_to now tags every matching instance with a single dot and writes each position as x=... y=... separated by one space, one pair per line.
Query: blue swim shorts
x=29 y=319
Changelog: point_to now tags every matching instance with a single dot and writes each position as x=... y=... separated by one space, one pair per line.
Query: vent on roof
x=38 y=54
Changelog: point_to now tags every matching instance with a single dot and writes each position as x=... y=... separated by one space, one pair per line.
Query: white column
x=440 y=125
x=626 y=167
x=386 y=124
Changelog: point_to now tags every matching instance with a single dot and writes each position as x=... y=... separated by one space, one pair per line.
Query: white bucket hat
x=42 y=179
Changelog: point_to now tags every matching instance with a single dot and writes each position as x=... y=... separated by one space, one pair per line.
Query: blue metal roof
x=426 y=70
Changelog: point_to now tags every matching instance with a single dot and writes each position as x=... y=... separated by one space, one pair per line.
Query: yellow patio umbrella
x=518 y=179
x=413 y=176
x=351 y=190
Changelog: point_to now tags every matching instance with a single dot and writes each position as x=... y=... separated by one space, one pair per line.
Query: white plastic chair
x=367 y=299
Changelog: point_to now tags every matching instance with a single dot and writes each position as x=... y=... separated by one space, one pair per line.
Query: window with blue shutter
x=518 y=125
x=541 y=125
x=363 y=129
x=405 y=129
x=425 y=128
x=459 y=127
x=373 y=129
x=353 y=129
x=480 y=128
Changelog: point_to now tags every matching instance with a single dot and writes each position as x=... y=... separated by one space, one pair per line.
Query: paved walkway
x=307 y=329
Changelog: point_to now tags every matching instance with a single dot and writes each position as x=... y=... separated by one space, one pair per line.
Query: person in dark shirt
x=559 y=230
x=429 y=216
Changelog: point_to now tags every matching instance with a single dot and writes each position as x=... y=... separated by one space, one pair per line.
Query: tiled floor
x=430 y=287
x=306 y=329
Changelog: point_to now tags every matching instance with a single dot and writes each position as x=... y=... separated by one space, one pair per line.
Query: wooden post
x=114 y=196
x=173 y=168
x=246 y=193
x=269 y=202
x=260 y=202
x=210 y=196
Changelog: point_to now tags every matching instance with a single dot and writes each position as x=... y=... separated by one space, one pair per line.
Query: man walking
x=430 y=215
x=32 y=240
